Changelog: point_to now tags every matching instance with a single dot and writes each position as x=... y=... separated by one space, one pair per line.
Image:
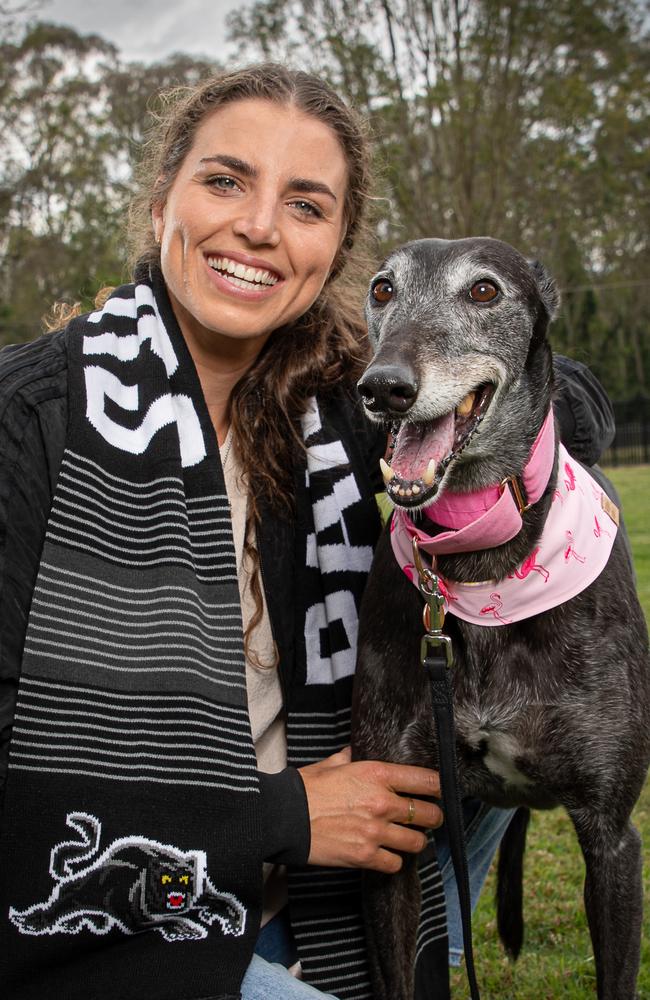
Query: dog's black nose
x=388 y=387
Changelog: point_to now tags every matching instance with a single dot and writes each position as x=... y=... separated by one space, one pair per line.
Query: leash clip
x=517 y=492
x=433 y=615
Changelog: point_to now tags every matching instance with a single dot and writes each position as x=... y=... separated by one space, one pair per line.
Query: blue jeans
x=267 y=977
x=484 y=828
x=267 y=981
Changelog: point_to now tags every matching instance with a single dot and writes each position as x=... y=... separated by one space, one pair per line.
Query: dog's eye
x=382 y=290
x=483 y=291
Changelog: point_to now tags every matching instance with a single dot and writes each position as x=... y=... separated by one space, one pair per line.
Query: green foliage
x=633 y=485
x=73 y=120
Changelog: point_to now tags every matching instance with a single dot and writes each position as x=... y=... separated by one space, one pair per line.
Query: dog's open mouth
x=422 y=452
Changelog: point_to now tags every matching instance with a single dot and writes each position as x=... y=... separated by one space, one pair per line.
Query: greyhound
x=551 y=693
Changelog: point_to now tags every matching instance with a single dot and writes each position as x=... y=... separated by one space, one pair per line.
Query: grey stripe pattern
x=82 y=626
x=433 y=917
x=312 y=736
x=141 y=524
x=333 y=948
x=78 y=729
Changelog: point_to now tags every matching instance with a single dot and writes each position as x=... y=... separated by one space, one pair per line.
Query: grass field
x=557 y=961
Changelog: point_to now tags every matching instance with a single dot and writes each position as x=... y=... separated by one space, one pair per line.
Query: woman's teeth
x=241 y=275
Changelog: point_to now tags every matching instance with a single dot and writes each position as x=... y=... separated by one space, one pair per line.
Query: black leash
x=436 y=656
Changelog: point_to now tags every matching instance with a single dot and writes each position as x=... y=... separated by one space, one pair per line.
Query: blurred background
x=526 y=121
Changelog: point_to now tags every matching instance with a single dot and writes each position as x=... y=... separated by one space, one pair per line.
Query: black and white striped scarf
x=132 y=802
x=132 y=797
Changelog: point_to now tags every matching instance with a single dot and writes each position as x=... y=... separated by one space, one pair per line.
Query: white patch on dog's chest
x=500 y=757
x=502 y=749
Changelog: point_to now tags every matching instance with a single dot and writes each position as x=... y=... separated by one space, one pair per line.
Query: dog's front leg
x=392 y=721
x=613 y=901
x=391 y=909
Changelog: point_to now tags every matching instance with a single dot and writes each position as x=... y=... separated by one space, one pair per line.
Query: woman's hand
x=358 y=811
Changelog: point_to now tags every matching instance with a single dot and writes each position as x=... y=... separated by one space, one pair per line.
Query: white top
x=262 y=683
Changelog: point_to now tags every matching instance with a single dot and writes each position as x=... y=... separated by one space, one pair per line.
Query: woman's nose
x=258 y=222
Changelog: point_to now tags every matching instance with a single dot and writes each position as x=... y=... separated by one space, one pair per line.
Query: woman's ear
x=158 y=220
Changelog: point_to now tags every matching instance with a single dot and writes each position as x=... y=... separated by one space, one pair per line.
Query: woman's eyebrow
x=301 y=184
x=241 y=166
x=305 y=186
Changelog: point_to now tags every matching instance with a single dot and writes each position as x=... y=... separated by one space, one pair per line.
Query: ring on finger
x=410 y=816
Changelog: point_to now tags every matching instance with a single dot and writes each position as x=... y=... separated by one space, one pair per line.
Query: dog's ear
x=549 y=293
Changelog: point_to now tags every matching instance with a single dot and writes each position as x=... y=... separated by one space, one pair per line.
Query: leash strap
x=436 y=657
x=437 y=669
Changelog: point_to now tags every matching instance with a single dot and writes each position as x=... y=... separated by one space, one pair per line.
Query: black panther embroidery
x=135 y=884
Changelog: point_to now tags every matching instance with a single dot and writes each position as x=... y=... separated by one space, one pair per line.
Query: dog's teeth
x=464 y=408
x=402 y=491
x=430 y=473
x=416 y=488
x=386 y=471
x=409 y=491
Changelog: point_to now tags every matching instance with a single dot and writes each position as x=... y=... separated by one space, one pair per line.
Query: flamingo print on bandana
x=570 y=552
x=530 y=565
x=494 y=609
x=598 y=529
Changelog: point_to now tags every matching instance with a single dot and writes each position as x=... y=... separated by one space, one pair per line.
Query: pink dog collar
x=574 y=548
x=492 y=516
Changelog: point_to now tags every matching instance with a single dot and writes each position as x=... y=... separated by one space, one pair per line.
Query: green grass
x=557 y=960
x=633 y=485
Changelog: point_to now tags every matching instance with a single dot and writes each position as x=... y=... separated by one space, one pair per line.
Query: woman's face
x=252 y=223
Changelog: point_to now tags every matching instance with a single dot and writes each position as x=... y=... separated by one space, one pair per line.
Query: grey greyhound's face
x=452 y=324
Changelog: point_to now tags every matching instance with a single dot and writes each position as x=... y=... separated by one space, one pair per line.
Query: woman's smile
x=242 y=275
x=252 y=224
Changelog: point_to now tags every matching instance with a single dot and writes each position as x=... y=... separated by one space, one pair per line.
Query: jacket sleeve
x=285 y=817
x=583 y=410
x=33 y=417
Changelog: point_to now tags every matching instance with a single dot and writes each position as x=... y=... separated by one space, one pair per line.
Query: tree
x=73 y=120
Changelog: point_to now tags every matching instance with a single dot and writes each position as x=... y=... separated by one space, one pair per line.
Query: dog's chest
x=502 y=718
x=493 y=741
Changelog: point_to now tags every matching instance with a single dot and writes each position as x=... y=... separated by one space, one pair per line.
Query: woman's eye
x=382 y=290
x=483 y=291
x=223 y=183
x=307 y=208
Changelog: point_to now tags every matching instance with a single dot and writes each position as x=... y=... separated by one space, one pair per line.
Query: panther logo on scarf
x=135 y=884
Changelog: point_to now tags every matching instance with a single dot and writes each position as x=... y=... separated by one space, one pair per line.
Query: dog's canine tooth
x=430 y=473
x=416 y=488
x=386 y=471
x=464 y=408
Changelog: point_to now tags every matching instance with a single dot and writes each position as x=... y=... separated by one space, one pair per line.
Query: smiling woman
x=214 y=224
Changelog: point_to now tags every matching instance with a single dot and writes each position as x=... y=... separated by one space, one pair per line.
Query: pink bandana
x=573 y=550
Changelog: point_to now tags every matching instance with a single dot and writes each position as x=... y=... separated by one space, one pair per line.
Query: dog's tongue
x=417 y=445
